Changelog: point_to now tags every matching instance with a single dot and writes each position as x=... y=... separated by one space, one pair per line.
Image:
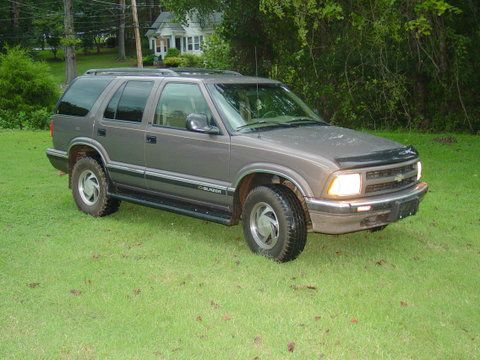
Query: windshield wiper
x=261 y=122
x=305 y=121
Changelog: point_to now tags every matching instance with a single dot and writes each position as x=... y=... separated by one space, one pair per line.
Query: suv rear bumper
x=58 y=159
x=340 y=217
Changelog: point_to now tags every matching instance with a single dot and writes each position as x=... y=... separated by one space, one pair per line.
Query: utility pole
x=138 y=43
x=121 y=31
x=71 y=64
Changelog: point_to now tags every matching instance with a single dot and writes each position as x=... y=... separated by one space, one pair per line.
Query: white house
x=166 y=33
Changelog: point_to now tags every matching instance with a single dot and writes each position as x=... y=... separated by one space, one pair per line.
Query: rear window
x=81 y=95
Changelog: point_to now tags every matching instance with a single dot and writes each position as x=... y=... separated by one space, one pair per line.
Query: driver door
x=181 y=163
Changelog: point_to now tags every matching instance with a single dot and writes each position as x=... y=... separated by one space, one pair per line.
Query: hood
x=347 y=148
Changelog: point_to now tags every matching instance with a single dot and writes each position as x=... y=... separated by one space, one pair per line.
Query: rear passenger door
x=121 y=130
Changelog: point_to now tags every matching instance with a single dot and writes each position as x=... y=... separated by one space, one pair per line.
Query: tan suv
x=224 y=147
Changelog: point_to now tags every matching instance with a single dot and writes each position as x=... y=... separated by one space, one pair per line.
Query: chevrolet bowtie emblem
x=399 y=178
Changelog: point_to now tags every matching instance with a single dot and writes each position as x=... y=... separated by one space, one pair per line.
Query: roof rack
x=203 y=71
x=131 y=71
x=160 y=72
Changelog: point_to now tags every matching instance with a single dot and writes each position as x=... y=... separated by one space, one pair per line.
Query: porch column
x=162 y=53
x=172 y=41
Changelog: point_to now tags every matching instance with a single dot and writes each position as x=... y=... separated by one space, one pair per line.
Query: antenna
x=257 y=105
x=256 y=63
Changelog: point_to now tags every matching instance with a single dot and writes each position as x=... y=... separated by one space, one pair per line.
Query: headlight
x=345 y=185
x=419 y=170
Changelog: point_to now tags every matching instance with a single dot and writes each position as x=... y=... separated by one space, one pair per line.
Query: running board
x=182 y=208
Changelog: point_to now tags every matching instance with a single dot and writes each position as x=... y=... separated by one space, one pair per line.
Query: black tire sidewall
x=92 y=165
x=284 y=212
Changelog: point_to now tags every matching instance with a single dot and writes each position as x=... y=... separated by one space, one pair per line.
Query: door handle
x=102 y=132
x=151 y=139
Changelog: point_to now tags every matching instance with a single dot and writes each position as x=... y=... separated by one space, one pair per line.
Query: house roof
x=167 y=19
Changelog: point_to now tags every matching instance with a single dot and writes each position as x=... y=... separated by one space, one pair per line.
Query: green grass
x=144 y=283
x=107 y=58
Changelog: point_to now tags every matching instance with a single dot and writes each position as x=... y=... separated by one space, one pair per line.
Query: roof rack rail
x=160 y=72
x=203 y=71
x=131 y=71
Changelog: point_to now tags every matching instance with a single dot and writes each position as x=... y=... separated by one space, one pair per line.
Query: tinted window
x=81 y=95
x=111 y=110
x=177 y=102
x=128 y=102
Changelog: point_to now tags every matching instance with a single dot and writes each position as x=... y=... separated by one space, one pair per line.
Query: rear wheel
x=90 y=188
x=274 y=223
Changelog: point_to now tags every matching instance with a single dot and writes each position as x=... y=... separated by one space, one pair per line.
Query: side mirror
x=199 y=123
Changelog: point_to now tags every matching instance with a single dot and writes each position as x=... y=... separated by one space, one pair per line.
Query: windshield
x=249 y=107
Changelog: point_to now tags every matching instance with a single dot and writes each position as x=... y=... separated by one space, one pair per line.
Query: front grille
x=391 y=172
x=391 y=185
x=390 y=179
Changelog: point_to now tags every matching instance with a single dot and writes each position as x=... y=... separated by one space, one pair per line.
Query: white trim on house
x=165 y=33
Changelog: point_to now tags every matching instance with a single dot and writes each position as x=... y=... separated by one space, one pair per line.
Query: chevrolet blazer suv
x=224 y=147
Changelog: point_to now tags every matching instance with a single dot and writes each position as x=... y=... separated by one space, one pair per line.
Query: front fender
x=274 y=169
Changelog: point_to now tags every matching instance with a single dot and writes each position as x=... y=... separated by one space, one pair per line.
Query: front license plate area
x=404 y=209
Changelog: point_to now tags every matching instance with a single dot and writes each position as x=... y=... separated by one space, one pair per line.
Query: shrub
x=148 y=60
x=37 y=119
x=173 y=61
x=192 y=60
x=172 y=52
x=25 y=86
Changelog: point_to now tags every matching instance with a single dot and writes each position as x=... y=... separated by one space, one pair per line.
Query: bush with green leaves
x=192 y=60
x=27 y=90
x=172 y=61
x=217 y=53
x=148 y=60
x=37 y=119
x=172 y=52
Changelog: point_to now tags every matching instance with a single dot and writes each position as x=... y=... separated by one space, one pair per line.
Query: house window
x=197 y=42
x=153 y=44
x=190 y=43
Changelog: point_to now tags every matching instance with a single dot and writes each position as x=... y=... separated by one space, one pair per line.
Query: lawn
x=144 y=283
x=107 y=58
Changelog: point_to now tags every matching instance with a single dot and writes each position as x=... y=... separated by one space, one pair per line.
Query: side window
x=128 y=102
x=82 y=95
x=177 y=101
x=111 y=110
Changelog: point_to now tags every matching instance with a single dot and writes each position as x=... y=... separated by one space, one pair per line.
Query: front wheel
x=274 y=223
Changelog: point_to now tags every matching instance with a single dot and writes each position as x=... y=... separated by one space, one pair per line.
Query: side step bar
x=177 y=207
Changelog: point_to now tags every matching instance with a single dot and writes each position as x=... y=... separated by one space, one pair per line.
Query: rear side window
x=128 y=102
x=81 y=95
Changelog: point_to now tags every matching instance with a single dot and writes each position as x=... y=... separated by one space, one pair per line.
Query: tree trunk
x=121 y=31
x=15 y=15
x=138 y=42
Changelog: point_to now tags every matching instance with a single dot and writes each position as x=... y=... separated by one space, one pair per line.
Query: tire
x=274 y=223
x=377 y=228
x=90 y=188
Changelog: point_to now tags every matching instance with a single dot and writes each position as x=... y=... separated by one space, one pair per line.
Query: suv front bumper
x=340 y=217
